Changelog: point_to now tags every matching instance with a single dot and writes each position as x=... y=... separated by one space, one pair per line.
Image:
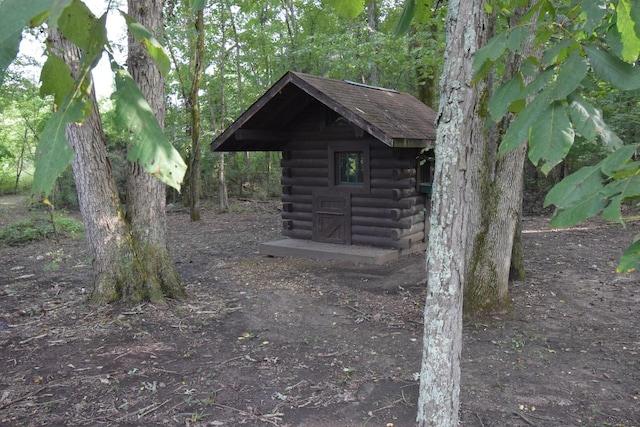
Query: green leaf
x=150 y=43
x=348 y=8
x=77 y=23
x=56 y=79
x=53 y=153
x=14 y=17
x=197 y=5
x=579 y=185
x=492 y=51
x=518 y=131
x=8 y=51
x=618 y=159
x=408 y=11
x=630 y=259
x=517 y=37
x=504 y=97
x=149 y=146
x=581 y=211
x=569 y=76
x=589 y=123
x=613 y=70
x=558 y=52
x=626 y=27
x=551 y=138
x=594 y=11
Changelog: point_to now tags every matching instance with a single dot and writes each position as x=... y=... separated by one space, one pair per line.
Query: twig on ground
x=21 y=398
x=527 y=420
x=149 y=409
x=479 y=419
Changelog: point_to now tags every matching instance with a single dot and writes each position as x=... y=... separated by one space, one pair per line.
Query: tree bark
x=458 y=127
x=194 y=106
x=495 y=195
x=108 y=240
x=146 y=198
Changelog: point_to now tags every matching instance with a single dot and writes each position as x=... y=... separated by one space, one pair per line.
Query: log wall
x=391 y=214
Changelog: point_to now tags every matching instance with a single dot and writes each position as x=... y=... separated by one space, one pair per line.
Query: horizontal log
x=396 y=214
x=309 y=154
x=298 y=216
x=404 y=243
x=306 y=199
x=369 y=201
x=305 y=181
x=304 y=163
x=291 y=224
x=406 y=183
x=393 y=173
x=298 y=234
x=372 y=211
x=296 y=172
x=306 y=144
x=394 y=193
x=297 y=207
x=391 y=233
x=386 y=163
x=387 y=223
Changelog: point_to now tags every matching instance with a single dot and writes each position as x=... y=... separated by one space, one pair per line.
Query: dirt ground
x=292 y=342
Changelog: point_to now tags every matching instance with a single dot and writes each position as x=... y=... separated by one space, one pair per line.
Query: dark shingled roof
x=396 y=119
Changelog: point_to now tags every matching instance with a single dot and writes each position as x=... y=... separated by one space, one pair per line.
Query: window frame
x=349 y=147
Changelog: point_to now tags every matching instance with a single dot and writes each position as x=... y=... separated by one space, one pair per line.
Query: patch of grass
x=40 y=226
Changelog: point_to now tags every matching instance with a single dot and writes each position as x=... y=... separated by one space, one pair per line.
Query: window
x=349 y=168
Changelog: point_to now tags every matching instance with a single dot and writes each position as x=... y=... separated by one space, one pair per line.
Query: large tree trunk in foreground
x=458 y=125
x=108 y=240
x=495 y=195
x=146 y=198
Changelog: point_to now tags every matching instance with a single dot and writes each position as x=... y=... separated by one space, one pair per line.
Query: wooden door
x=332 y=218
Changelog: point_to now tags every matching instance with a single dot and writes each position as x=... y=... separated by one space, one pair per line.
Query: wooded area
x=550 y=97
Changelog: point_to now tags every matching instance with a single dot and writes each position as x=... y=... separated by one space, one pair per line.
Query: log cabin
x=357 y=160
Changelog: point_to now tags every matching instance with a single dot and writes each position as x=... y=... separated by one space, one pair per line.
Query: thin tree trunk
x=146 y=198
x=458 y=126
x=194 y=104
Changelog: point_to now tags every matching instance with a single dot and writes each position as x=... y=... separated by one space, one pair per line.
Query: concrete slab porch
x=299 y=248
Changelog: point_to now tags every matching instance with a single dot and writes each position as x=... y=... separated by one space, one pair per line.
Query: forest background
x=247 y=47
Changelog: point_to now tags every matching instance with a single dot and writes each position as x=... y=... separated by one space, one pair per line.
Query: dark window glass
x=350 y=168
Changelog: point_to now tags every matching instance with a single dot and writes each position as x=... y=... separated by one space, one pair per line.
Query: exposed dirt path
x=285 y=342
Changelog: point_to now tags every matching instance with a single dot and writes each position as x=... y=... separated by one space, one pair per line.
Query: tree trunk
x=458 y=126
x=495 y=195
x=108 y=240
x=194 y=106
x=146 y=198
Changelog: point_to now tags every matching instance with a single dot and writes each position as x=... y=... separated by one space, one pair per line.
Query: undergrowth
x=40 y=226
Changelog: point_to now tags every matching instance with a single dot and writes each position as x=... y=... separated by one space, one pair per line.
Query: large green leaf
x=617 y=192
x=630 y=259
x=496 y=46
x=569 y=75
x=56 y=79
x=518 y=131
x=594 y=10
x=8 y=51
x=53 y=153
x=551 y=138
x=408 y=11
x=14 y=17
x=149 y=146
x=626 y=25
x=589 y=123
x=586 y=208
x=348 y=8
x=77 y=23
x=504 y=97
x=613 y=70
x=150 y=43
x=618 y=159
x=579 y=185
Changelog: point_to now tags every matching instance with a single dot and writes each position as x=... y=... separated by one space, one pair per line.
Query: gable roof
x=396 y=119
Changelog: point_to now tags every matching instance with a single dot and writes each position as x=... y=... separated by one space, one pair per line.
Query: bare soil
x=294 y=342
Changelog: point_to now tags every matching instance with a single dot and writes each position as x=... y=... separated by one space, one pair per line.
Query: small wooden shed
x=354 y=170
